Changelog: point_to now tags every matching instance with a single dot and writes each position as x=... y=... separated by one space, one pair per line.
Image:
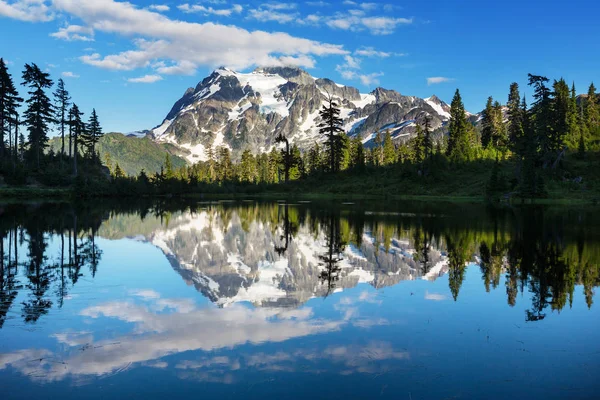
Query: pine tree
x=515 y=120
x=378 y=150
x=427 y=140
x=212 y=164
x=225 y=166
x=9 y=103
x=561 y=105
x=248 y=172
x=314 y=159
x=76 y=130
x=40 y=112
x=574 y=134
x=357 y=153
x=488 y=124
x=94 y=133
x=592 y=111
x=119 y=173
x=285 y=156
x=331 y=127
x=62 y=102
x=418 y=148
x=389 y=150
x=459 y=142
x=168 y=167
x=500 y=138
x=541 y=115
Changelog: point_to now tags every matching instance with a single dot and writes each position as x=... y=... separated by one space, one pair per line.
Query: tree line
x=24 y=155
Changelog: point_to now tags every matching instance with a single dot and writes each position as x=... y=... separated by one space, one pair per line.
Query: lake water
x=245 y=300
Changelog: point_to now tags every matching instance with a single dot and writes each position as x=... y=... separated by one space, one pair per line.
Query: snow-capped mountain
x=229 y=261
x=249 y=110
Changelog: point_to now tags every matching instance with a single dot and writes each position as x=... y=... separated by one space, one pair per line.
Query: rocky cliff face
x=248 y=110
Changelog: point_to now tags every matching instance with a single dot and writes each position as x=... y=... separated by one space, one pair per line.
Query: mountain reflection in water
x=289 y=288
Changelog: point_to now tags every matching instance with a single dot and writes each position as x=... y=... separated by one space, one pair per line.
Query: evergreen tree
x=574 y=133
x=488 y=123
x=314 y=159
x=499 y=138
x=389 y=150
x=40 y=112
x=286 y=156
x=561 y=106
x=225 y=166
x=515 y=120
x=459 y=142
x=168 y=167
x=592 y=111
x=248 y=171
x=357 y=153
x=9 y=103
x=331 y=127
x=62 y=102
x=530 y=182
x=76 y=130
x=541 y=115
x=427 y=140
x=119 y=173
x=296 y=165
x=418 y=148
x=212 y=164
x=94 y=133
x=378 y=150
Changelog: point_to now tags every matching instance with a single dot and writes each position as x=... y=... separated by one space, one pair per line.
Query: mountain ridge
x=249 y=110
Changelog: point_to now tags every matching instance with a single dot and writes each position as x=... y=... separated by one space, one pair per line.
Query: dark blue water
x=320 y=301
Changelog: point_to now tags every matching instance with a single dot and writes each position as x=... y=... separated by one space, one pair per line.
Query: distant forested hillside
x=131 y=153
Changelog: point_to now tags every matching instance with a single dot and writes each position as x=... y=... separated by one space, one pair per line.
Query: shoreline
x=11 y=194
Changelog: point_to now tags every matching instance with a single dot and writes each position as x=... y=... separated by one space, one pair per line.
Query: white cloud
x=186 y=44
x=435 y=296
x=68 y=74
x=438 y=79
x=373 y=53
x=26 y=10
x=355 y=20
x=74 y=32
x=370 y=79
x=271 y=15
x=159 y=7
x=279 y=6
x=317 y=4
x=197 y=8
x=146 y=79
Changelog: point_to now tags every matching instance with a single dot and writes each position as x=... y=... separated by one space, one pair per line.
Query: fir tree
x=62 y=102
x=212 y=164
x=331 y=127
x=389 y=150
x=541 y=114
x=94 y=133
x=574 y=133
x=314 y=159
x=515 y=119
x=119 y=173
x=40 y=112
x=357 y=153
x=592 y=111
x=427 y=140
x=488 y=123
x=9 y=103
x=561 y=105
x=459 y=146
x=168 y=167
x=76 y=130
x=499 y=138
x=285 y=156
x=225 y=166
x=248 y=172
x=418 y=148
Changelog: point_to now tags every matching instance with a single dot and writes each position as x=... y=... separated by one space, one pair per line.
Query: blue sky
x=132 y=61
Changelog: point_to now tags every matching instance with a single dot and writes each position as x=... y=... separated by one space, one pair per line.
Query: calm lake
x=245 y=300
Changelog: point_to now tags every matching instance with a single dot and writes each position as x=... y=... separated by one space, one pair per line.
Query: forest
x=545 y=149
